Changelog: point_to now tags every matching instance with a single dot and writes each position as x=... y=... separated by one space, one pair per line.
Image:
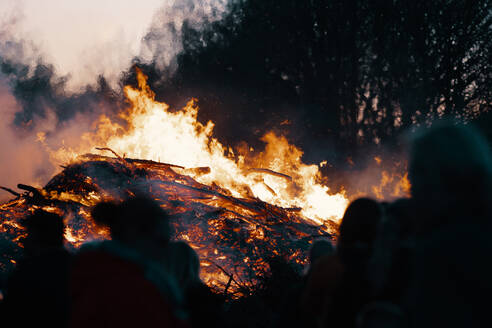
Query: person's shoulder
x=104 y=261
x=328 y=262
x=326 y=270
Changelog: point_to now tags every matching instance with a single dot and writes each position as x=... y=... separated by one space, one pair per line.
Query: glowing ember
x=234 y=237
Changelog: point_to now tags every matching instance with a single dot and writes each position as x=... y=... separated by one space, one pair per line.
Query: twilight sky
x=89 y=37
x=82 y=39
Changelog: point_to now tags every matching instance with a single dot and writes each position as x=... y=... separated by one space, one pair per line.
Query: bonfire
x=237 y=209
x=233 y=236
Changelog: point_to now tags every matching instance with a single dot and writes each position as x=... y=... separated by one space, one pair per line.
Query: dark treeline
x=349 y=72
x=335 y=76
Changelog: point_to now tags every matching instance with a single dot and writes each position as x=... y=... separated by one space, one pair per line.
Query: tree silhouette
x=335 y=73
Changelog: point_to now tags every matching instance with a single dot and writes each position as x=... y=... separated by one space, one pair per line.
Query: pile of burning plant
x=234 y=237
x=237 y=208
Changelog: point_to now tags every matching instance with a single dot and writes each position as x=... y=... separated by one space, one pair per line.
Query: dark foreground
x=417 y=262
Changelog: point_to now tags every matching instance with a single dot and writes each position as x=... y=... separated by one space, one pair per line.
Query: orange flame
x=153 y=132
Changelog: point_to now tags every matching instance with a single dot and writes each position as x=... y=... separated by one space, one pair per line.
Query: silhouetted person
x=450 y=173
x=37 y=290
x=205 y=308
x=358 y=231
x=182 y=261
x=118 y=283
x=324 y=276
x=320 y=248
x=392 y=255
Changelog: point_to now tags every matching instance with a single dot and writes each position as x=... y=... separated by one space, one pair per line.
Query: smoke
x=41 y=76
x=21 y=158
x=84 y=40
x=164 y=40
x=61 y=69
x=28 y=148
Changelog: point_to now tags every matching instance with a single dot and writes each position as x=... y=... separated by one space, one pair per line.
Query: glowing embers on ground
x=234 y=237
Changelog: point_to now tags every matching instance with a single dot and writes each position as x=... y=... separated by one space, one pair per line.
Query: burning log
x=33 y=190
x=145 y=162
x=270 y=189
x=197 y=171
x=270 y=172
x=34 y=195
x=10 y=191
x=109 y=149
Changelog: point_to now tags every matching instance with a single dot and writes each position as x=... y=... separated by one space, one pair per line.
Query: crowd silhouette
x=422 y=261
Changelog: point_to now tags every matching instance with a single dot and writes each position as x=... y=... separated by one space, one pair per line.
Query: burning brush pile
x=236 y=209
x=233 y=236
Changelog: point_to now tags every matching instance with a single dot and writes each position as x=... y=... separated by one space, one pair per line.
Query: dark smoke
x=40 y=91
x=35 y=98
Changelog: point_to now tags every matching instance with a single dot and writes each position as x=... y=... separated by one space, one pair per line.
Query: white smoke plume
x=164 y=39
x=21 y=157
x=79 y=41
x=85 y=39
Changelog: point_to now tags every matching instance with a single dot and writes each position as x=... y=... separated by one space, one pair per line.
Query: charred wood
x=270 y=172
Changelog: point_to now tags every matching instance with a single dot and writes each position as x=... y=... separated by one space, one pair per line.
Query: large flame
x=233 y=208
x=149 y=130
